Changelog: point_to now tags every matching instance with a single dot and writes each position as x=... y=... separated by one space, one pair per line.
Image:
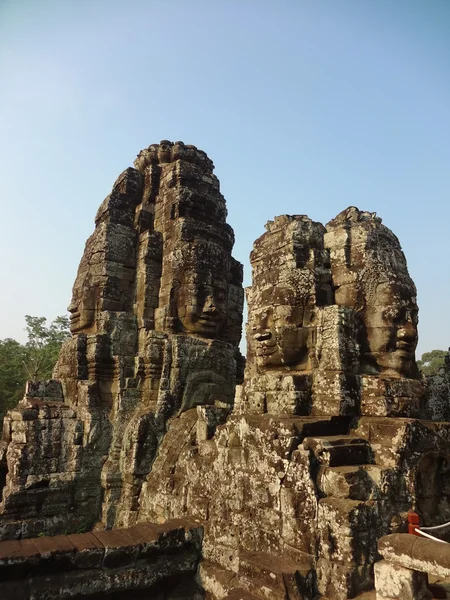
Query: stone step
x=349 y=515
x=385 y=455
x=217 y=581
x=326 y=426
x=278 y=578
x=355 y=482
x=348 y=531
x=337 y=581
x=261 y=576
x=337 y=450
x=384 y=434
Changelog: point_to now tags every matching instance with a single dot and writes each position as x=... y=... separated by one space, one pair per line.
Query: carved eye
x=392 y=314
x=397 y=313
x=220 y=295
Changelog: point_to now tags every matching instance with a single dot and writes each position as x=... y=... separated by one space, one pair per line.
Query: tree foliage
x=33 y=360
x=431 y=362
x=12 y=373
x=43 y=345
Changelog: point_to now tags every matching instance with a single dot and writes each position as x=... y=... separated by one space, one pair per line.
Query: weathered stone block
x=393 y=581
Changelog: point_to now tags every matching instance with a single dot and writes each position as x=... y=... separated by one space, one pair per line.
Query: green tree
x=33 y=360
x=12 y=374
x=43 y=345
x=431 y=362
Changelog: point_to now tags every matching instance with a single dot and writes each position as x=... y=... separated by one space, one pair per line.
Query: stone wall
x=160 y=561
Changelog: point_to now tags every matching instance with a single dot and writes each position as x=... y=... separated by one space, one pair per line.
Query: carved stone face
x=391 y=320
x=83 y=308
x=282 y=331
x=201 y=305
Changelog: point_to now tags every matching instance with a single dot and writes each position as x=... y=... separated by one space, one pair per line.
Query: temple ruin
x=282 y=476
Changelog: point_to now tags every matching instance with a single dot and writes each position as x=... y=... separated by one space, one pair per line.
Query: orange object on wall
x=413 y=522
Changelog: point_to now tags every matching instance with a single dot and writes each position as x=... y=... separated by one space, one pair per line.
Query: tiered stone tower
x=156 y=318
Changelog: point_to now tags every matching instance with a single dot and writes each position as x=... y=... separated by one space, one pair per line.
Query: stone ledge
x=110 y=549
x=416 y=553
x=99 y=582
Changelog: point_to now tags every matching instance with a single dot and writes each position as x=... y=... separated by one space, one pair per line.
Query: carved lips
x=266 y=344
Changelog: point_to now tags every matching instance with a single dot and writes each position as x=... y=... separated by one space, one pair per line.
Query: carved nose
x=407 y=332
x=210 y=305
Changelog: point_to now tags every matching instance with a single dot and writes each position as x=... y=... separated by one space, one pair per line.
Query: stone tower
x=156 y=316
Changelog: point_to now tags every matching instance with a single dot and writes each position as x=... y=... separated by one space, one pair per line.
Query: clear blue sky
x=304 y=106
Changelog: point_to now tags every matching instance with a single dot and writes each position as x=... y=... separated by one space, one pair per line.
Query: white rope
x=431 y=537
x=436 y=527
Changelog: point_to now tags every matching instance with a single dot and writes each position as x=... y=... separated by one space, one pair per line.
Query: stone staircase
x=346 y=476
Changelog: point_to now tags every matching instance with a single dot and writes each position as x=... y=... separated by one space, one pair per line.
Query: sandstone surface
x=293 y=468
